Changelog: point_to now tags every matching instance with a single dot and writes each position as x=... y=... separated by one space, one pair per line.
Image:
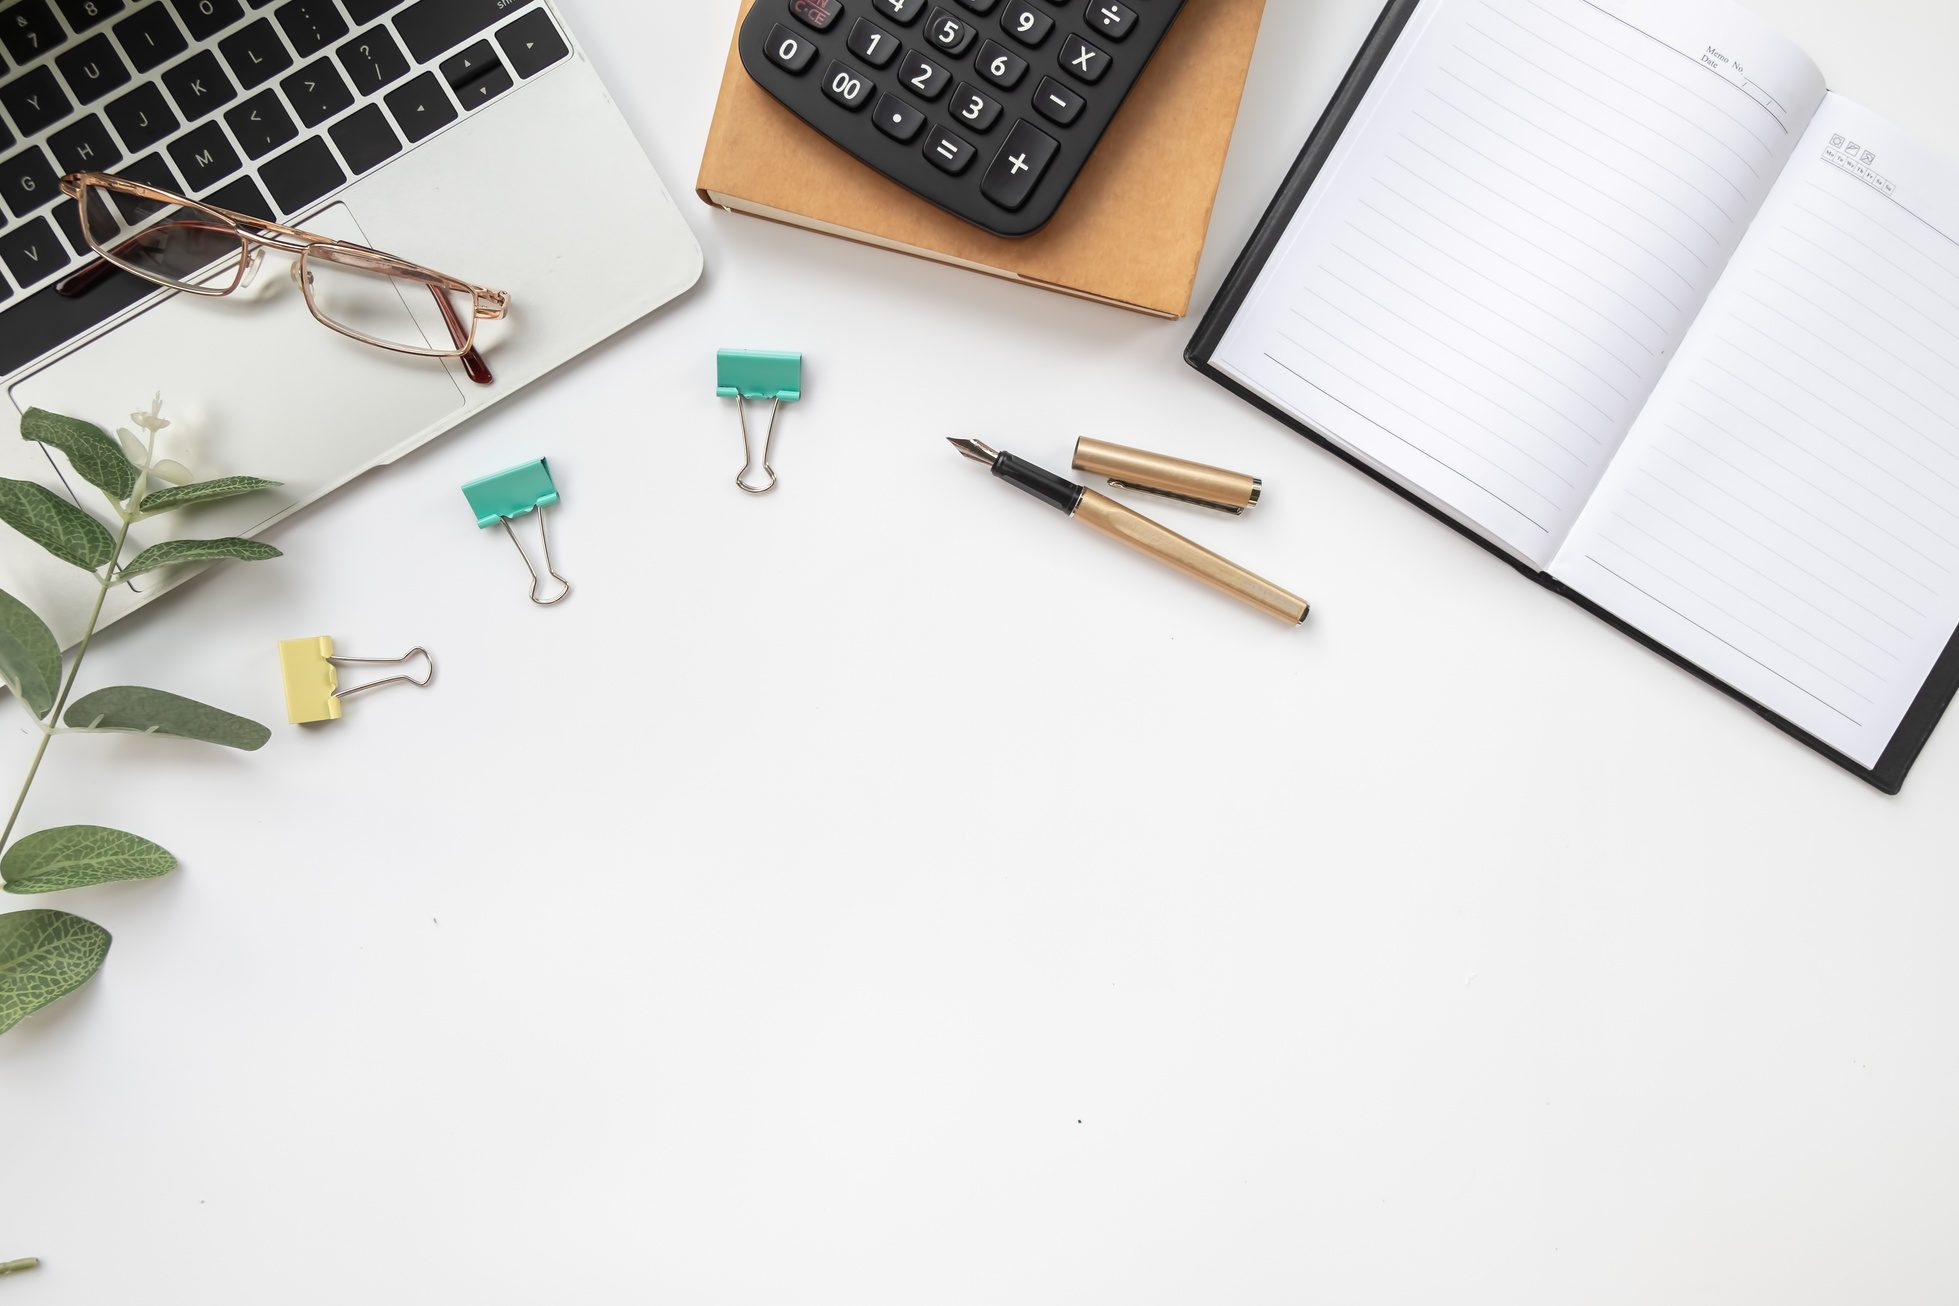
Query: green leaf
x=30 y=659
x=98 y=458
x=43 y=955
x=162 y=555
x=55 y=524
x=203 y=492
x=70 y=856
x=152 y=711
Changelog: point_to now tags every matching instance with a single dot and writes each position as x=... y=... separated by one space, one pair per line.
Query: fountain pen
x=1138 y=532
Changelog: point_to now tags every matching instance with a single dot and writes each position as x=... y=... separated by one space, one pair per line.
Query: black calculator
x=987 y=108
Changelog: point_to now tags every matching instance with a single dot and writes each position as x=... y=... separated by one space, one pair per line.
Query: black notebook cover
x=1889 y=773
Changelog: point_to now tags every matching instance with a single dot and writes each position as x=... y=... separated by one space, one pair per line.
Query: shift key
x=430 y=27
x=1017 y=168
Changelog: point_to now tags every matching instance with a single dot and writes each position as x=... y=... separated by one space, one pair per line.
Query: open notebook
x=1619 y=288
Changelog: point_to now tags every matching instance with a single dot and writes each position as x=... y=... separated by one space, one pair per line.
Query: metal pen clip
x=1171 y=478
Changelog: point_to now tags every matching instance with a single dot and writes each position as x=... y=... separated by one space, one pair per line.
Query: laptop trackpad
x=254 y=385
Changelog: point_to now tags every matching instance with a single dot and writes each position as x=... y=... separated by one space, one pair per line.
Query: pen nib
x=973 y=449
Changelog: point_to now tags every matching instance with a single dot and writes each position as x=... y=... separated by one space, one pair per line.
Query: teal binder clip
x=744 y=374
x=513 y=493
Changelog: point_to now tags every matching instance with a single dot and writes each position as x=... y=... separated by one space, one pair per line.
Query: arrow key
x=420 y=107
x=1019 y=165
x=532 y=44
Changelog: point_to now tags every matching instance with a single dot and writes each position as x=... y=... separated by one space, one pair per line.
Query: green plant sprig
x=44 y=953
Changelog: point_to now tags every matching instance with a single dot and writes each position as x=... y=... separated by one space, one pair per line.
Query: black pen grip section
x=1043 y=485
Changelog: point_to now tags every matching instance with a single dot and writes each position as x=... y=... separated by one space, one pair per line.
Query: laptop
x=470 y=136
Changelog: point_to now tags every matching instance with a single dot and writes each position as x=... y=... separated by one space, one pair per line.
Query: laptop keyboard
x=260 y=107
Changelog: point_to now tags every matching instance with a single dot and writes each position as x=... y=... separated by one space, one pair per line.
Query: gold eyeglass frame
x=487 y=305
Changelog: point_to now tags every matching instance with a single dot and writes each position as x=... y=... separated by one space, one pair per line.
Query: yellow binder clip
x=312 y=676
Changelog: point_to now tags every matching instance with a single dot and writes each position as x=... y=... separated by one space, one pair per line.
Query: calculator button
x=923 y=76
x=789 y=51
x=1083 y=61
x=949 y=152
x=872 y=43
x=1110 y=18
x=846 y=85
x=949 y=34
x=1000 y=65
x=897 y=119
x=820 y=14
x=973 y=108
x=980 y=6
x=1018 y=167
x=1026 y=24
x=902 y=12
x=1057 y=103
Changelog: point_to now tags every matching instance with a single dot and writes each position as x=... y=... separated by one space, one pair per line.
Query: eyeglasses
x=202 y=250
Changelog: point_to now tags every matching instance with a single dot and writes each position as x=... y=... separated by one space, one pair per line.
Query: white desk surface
x=890 y=892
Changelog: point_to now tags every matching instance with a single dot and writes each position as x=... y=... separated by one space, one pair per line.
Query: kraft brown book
x=1129 y=233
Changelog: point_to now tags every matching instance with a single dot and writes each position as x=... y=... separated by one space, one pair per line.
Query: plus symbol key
x=1018 y=167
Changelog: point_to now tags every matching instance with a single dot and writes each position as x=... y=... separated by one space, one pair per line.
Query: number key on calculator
x=1034 y=85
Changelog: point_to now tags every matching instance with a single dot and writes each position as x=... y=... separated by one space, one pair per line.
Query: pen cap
x=1174 y=478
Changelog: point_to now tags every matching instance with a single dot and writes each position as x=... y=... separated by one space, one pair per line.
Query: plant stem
x=105 y=581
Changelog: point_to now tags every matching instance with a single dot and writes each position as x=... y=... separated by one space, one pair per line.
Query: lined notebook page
x=1786 y=511
x=1513 y=237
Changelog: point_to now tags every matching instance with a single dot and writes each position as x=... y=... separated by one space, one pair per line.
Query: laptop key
x=465 y=66
x=311 y=25
x=299 y=176
x=93 y=68
x=29 y=30
x=317 y=92
x=206 y=18
x=85 y=146
x=142 y=117
x=261 y=124
x=365 y=138
x=372 y=60
x=33 y=252
x=421 y=106
x=84 y=14
x=204 y=157
x=532 y=44
x=256 y=54
x=428 y=27
x=36 y=101
x=150 y=37
x=493 y=81
x=366 y=11
x=199 y=85
x=27 y=182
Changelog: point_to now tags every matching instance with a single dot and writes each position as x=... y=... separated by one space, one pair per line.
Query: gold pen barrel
x=1174 y=478
x=1166 y=546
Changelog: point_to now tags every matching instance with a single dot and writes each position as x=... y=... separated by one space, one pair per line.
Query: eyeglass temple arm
x=473 y=364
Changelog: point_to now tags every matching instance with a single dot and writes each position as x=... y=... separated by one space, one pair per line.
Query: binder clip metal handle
x=768 y=446
x=512 y=493
x=744 y=374
x=403 y=679
x=544 y=533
